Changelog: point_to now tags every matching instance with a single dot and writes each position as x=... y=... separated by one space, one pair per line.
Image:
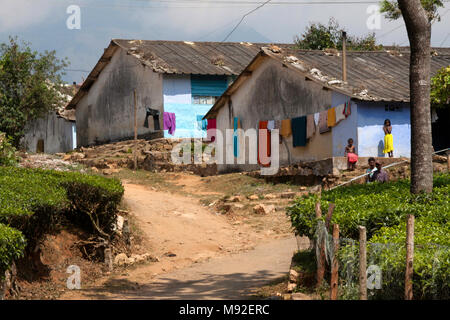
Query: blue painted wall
x=371 y=118
x=346 y=128
x=178 y=91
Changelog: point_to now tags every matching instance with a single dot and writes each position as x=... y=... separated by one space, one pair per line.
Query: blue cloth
x=235 y=137
x=299 y=131
x=202 y=124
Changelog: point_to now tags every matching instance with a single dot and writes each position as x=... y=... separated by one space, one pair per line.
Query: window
x=203 y=99
x=392 y=108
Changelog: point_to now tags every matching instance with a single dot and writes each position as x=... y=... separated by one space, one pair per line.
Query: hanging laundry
x=169 y=122
x=331 y=117
x=264 y=146
x=340 y=113
x=310 y=126
x=271 y=125
x=211 y=130
x=299 y=131
x=277 y=124
x=323 y=122
x=316 y=118
x=236 y=125
x=201 y=124
x=286 y=128
x=347 y=109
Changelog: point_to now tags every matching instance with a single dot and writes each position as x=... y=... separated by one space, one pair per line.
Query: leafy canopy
x=318 y=36
x=440 y=88
x=392 y=11
x=29 y=86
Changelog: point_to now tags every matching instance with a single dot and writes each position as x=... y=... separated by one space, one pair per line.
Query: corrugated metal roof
x=184 y=57
x=374 y=75
x=371 y=76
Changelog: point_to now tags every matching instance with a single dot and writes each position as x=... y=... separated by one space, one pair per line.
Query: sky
x=43 y=23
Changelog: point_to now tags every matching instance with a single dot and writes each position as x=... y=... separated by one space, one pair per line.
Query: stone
x=77 y=156
x=303 y=188
x=94 y=169
x=263 y=209
x=336 y=172
x=238 y=206
x=291 y=287
x=293 y=276
x=253 y=197
x=235 y=199
x=300 y=296
x=287 y=195
x=120 y=259
x=270 y=196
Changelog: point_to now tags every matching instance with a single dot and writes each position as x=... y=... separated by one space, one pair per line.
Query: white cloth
x=340 y=112
x=316 y=118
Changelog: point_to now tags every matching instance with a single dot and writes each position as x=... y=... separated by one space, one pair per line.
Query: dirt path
x=202 y=254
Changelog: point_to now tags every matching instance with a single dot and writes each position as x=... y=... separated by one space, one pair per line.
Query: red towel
x=211 y=130
x=265 y=148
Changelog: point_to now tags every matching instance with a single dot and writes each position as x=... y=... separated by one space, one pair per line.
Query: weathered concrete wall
x=106 y=113
x=371 y=118
x=56 y=132
x=274 y=92
x=345 y=129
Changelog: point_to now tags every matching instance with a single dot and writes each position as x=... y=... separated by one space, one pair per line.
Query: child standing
x=388 y=139
x=352 y=157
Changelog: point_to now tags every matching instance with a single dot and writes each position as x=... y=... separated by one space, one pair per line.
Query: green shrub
x=36 y=201
x=12 y=245
x=7 y=151
x=383 y=208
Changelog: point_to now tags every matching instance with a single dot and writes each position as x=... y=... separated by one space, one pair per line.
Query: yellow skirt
x=388 y=143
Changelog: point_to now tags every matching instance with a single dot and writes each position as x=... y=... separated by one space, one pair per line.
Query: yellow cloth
x=331 y=117
x=388 y=143
x=286 y=128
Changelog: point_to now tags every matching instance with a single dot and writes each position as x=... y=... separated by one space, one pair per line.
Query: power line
x=242 y=19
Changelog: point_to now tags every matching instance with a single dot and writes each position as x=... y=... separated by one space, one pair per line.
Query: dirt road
x=203 y=255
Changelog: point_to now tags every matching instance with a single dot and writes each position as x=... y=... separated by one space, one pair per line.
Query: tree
x=29 y=86
x=318 y=36
x=440 y=89
x=418 y=15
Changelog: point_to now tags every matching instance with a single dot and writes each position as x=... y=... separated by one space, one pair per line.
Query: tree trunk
x=419 y=33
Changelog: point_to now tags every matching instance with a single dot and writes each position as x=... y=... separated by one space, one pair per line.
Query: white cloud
x=20 y=14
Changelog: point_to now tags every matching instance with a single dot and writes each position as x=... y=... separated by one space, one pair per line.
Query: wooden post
x=362 y=263
x=409 y=257
x=448 y=160
x=344 y=56
x=321 y=262
x=334 y=265
x=135 y=131
x=329 y=215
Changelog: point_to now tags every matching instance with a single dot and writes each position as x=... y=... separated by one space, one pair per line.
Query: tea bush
x=7 y=151
x=36 y=202
x=12 y=244
x=382 y=209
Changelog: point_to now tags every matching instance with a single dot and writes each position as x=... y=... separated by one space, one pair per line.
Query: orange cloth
x=286 y=128
x=331 y=117
x=263 y=125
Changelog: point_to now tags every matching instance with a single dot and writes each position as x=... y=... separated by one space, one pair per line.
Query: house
x=285 y=84
x=54 y=132
x=178 y=77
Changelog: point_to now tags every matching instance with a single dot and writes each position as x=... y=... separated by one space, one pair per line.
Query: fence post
x=329 y=215
x=409 y=257
x=362 y=263
x=321 y=261
x=334 y=265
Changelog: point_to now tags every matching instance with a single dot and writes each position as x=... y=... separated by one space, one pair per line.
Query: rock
x=67 y=157
x=263 y=209
x=130 y=261
x=108 y=172
x=293 y=276
x=235 y=199
x=300 y=296
x=170 y=254
x=77 y=156
x=238 y=206
x=316 y=189
x=303 y=188
x=291 y=287
x=287 y=195
x=94 y=169
x=226 y=207
x=120 y=259
x=253 y=197
x=270 y=196
x=336 y=172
